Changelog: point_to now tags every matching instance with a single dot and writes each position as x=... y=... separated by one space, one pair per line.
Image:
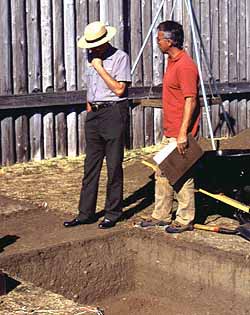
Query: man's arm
x=117 y=87
x=189 y=107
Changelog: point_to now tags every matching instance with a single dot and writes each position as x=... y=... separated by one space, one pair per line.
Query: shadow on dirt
x=145 y=195
x=7 y=240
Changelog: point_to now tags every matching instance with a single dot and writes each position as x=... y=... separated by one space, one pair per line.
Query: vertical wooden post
x=232 y=40
x=61 y=135
x=33 y=39
x=49 y=135
x=215 y=53
x=241 y=41
x=46 y=44
x=19 y=45
x=69 y=44
x=158 y=70
x=22 y=143
x=81 y=22
x=7 y=132
x=158 y=131
x=36 y=148
x=7 y=140
x=58 y=60
x=223 y=24
x=248 y=40
x=81 y=132
x=205 y=36
x=148 y=51
x=72 y=133
x=94 y=10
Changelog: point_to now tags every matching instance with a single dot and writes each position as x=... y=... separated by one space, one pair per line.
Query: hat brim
x=111 y=31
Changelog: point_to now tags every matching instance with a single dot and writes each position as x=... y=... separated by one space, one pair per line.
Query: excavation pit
x=128 y=270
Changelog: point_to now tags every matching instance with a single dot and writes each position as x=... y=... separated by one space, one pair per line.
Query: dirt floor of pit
x=36 y=197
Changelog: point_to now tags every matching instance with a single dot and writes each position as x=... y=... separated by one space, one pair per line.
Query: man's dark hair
x=174 y=31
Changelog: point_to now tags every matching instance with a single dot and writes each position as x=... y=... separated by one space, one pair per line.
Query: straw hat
x=96 y=34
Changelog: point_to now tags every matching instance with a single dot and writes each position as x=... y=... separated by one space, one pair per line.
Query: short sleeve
x=188 y=79
x=123 y=71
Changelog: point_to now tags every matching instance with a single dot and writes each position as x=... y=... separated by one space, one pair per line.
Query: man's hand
x=96 y=63
x=182 y=143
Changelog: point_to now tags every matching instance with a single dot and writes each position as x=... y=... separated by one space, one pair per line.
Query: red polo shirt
x=180 y=80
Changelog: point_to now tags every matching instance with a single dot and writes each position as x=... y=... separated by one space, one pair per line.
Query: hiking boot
x=177 y=227
x=153 y=222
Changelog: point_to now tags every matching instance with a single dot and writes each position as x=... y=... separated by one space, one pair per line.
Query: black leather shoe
x=75 y=222
x=106 y=224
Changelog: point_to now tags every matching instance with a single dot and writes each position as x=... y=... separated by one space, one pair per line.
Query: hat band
x=97 y=39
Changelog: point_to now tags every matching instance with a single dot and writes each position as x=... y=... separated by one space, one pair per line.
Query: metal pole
x=149 y=33
x=189 y=9
x=147 y=37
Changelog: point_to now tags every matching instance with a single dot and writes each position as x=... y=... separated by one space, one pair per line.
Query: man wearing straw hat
x=108 y=77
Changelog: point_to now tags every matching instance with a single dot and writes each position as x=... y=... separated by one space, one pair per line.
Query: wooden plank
x=242 y=114
x=138 y=127
x=205 y=130
x=167 y=8
x=43 y=99
x=93 y=10
x=58 y=56
x=104 y=10
x=5 y=53
x=35 y=136
x=247 y=43
x=187 y=31
x=149 y=126
x=136 y=41
x=224 y=36
x=241 y=41
x=197 y=16
x=224 y=128
x=205 y=37
x=214 y=24
x=72 y=133
x=69 y=44
x=248 y=114
x=81 y=22
x=111 y=12
x=7 y=141
x=147 y=53
x=21 y=137
x=49 y=135
x=178 y=11
x=158 y=60
x=215 y=119
x=233 y=112
x=61 y=134
x=33 y=49
x=46 y=45
x=158 y=125
x=19 y=51
x=232 y=40
x=81 y=132
x=79 y=97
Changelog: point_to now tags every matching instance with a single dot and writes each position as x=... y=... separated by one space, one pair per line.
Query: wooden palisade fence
x=42 y=77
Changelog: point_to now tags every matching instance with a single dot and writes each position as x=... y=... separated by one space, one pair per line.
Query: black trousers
x=105 y=137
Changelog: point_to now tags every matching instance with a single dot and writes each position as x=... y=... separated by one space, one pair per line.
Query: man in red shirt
x=181 y=114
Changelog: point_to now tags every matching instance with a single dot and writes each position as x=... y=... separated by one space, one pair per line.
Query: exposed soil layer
x=128 y=270
x=125 y=270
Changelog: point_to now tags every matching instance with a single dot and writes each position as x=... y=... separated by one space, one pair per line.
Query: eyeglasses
x=161 y=39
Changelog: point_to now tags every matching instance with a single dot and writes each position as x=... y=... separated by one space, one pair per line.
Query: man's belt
x=95 y=106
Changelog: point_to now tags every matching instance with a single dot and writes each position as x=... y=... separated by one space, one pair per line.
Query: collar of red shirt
x=178 y=56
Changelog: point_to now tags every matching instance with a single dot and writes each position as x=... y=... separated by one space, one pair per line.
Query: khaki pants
x=165 y=196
